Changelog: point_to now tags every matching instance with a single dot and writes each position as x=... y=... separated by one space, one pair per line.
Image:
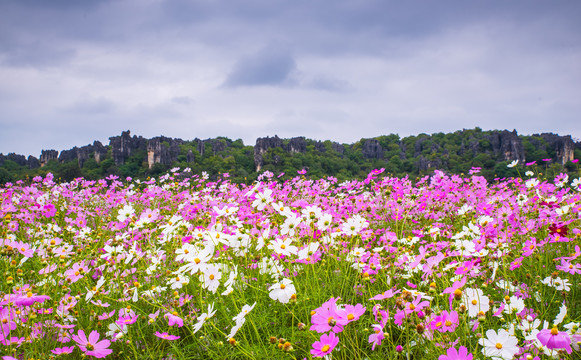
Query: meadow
x=184 y=267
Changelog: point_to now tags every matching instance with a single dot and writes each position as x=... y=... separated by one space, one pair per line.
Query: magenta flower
x=173 y=319
x=105 y=315
x=445 y=322
x=325 y=345
x=30 y=299
x=126 y=320
x=23 y=247
x=166 y=336
x=353 y=313
x=555 y=339
x=453 y=354
x=416 y=305
x=63 y=350
x=385 y=295
x=92 y=346
x=328 y=317
x=454 y=290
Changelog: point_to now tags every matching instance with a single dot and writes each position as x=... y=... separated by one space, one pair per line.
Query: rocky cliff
x=162 y=150
x=427 y=151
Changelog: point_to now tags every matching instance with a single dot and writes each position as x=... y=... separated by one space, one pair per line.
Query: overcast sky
x=74 y=71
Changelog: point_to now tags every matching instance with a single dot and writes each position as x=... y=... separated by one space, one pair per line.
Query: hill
x=457 y=152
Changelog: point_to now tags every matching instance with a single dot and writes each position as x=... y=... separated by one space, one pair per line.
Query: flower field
x=181 y=267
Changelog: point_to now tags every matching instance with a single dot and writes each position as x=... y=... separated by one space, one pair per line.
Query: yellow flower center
x=282 y=286
x=554 y=331
x=499 y=346
x=448 y=323
x=197 y=260
x=211 y=276
x=325 y=348
x=474 y=302
x=350 y=317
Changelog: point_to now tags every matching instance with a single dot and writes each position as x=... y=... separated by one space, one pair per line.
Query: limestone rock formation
x=122 y=147
x=507 y=144
x=48 y=155
x=338 y=148
x=297 y=145
x=564 y=146
x=162 y=150
x=33 y=162
x=372 y=149
x=262 y=146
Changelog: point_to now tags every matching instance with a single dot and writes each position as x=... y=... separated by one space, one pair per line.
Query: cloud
x=182 y=100
x=92 y=106
x=273 y=65
x=340 y=69
x=328 y=83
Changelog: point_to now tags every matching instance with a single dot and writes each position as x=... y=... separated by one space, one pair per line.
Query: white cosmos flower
x=475 y=301
x=95 y=290
x=499 y=345
x=125 y=213
x=203 y=317
x=558 y=283
x=307 y=251
x=514 y=304
x=531 y=183
x=282 y=291
x=283 y=247
x=512 y=164
x=211 y=277
x=178 y=281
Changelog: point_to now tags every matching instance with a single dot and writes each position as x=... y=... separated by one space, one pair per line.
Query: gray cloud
x=81 y=70
x=272 y=65
x=91 y=106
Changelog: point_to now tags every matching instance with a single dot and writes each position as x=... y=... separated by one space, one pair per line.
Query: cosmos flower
x=92 y=346
x=453 y=354
x=166 y=336
x=555 y=339
x=325 y=345
x=282 y=291
x=499 y=344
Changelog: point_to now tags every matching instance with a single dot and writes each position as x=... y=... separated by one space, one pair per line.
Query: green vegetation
x=419 y=155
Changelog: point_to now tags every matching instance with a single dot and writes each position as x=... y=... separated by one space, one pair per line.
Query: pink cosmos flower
x=453 y=354
x=173 y=319
x=30 y=299
x=24 y=249
x=7 y=322
x=445 y=322
x=92 y=346
x=105 y=315
x=454 y=290
x=353 y=313
x=416 y=305
x=555 y=339
x=166 y=336
x=325 y=345
x=126 y=320
x=328 y=317
x=63 y=350
x=385 y=295
x=378 y=333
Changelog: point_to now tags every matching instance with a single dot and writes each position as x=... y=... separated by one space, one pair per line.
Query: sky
x=72 y=71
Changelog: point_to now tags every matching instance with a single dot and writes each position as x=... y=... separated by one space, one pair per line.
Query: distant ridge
x=454 y=152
